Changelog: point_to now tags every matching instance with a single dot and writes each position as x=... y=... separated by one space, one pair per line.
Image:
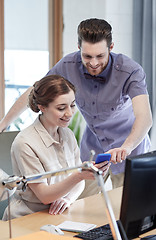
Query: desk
x=89 y=210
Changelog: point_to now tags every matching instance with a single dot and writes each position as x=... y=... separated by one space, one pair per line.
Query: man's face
x=95 y=56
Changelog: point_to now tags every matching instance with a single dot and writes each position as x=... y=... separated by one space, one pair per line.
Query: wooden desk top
x=87 y=210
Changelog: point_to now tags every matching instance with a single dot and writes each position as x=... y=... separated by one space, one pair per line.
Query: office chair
x=6 y=139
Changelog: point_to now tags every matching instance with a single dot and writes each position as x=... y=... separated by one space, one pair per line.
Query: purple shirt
x=106 y=104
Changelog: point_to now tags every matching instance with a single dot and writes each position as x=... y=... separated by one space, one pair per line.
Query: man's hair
x=94 y=30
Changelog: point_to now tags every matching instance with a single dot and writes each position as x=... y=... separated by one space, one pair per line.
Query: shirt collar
x=45 y=136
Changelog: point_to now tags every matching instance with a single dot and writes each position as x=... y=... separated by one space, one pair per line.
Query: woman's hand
x=89 y=174
x=59 y=206
x=103 y=166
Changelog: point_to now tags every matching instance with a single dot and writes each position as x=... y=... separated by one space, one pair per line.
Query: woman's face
x=59 y=112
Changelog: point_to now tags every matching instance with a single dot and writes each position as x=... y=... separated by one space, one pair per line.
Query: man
x=111 y=94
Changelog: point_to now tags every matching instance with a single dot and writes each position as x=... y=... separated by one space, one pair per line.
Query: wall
x=26 y=24
x=117 y=12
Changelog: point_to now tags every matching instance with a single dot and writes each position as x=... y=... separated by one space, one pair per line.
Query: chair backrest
x=6 y=139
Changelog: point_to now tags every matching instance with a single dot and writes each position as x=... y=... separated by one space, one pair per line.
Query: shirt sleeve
x=57 y=69
x=24 y=160
x=136 y=84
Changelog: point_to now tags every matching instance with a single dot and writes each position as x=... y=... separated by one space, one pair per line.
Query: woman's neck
x=53 y=131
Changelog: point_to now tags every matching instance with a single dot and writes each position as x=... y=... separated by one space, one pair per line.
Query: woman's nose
x=69 y=112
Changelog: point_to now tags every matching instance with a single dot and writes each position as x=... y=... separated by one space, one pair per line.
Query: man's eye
x=87 y=56
x=100 y=56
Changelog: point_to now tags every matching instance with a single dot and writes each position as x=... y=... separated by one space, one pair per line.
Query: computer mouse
x=52 y=229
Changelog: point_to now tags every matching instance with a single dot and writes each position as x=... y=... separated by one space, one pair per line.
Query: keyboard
x=102 y=233
x=99 y=233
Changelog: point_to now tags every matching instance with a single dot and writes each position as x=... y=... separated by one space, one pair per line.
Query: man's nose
x=94 y=61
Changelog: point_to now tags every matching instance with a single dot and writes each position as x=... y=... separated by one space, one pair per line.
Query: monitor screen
x=138 y=206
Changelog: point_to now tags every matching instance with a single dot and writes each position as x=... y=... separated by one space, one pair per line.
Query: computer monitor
x=138 y=206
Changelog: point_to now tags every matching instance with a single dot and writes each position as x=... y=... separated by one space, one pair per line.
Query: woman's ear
x=42 y=108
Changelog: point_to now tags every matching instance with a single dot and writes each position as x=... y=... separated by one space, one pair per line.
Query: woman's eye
x=72 y=106
x=61 y=109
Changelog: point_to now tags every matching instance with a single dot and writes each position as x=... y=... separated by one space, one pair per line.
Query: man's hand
x=118 y=154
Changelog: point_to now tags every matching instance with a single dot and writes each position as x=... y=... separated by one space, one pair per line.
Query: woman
x=48 y=145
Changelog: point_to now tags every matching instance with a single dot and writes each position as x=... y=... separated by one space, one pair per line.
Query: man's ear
x=78 y=46
x=111 y=46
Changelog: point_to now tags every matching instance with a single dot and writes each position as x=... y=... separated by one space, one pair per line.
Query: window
x=26 y=54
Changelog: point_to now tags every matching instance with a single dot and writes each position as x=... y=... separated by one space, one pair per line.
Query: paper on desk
x=76 y=226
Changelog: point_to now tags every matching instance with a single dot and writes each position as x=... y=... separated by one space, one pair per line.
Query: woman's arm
x=49 y=193
x=18 y=107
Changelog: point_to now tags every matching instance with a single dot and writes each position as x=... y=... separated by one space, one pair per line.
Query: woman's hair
x=94 y=30
x=47 y=90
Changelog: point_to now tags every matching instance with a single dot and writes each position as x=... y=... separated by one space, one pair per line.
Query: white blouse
x=34 y=151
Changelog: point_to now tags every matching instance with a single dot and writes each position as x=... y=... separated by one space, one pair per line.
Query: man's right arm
x=18 y=107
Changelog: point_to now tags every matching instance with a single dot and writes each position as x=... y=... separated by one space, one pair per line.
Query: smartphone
x=103 y=157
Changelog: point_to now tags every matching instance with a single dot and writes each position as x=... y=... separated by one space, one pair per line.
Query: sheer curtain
x=144 y=49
